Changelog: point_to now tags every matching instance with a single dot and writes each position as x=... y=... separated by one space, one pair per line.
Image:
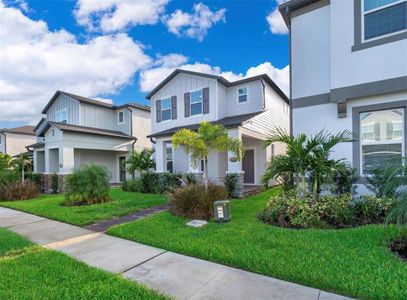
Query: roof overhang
x=288 y=7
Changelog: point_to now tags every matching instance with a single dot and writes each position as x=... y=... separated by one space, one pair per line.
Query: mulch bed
x=399 y=247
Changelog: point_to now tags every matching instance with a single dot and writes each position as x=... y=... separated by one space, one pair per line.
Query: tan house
x=14 y=141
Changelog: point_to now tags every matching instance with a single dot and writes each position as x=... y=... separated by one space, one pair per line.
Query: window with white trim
x=382 y=139
x=166 y=109
x=383 y=17
x=62 y=116
x=196 y=102
x=242 y=95
x=120 y=117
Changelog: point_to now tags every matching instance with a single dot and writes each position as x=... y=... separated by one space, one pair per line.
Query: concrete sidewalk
x=176 y=275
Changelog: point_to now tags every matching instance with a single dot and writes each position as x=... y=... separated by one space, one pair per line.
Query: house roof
x=228 y=122
x=221 y=80
x=28 y=130
x=35 y=145
x=28 y=153
x=289 y=6
x=85 y=129
x=92 y=102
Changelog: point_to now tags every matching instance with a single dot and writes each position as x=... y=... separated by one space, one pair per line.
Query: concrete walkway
x=176 y=275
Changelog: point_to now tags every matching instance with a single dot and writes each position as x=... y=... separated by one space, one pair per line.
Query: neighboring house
x=13 y=141
x=349 y=71
x=78 y=130
x=249 y=108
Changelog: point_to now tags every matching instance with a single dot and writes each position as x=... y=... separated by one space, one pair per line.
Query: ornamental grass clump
x=194 y=201
x=88 y=185
x=18 y=190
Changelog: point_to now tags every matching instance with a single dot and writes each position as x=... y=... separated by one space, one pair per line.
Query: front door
x=122 y=168
x=248 y=166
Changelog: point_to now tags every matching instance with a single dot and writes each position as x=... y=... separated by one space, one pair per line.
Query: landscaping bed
x=121 y=203
x=28 y=271
x=355 y=262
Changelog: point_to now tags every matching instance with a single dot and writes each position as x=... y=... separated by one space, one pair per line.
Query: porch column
x=235 y=167
x=66 y=160
x=159 y=156
x=46 y=155
x=35 y=161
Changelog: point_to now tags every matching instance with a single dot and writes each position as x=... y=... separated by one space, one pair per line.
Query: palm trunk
x=206 y=172
x=304 y=185
x=22 y=174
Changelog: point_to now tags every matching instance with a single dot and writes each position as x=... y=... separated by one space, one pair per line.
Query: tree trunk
x=22 y=174
x=206 y=172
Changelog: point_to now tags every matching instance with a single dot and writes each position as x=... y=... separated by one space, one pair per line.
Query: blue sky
x=119 y=52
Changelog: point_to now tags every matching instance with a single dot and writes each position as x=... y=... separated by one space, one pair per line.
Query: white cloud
x=150 y=78
x=116 y=15
x=35 y=62
x=276 y=21
x=196 y=24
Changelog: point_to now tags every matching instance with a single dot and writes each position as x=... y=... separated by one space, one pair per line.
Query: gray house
x=76 y=130
x=249 y=108
x=349 y=71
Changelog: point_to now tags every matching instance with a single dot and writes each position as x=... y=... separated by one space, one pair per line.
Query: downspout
x=152 y=141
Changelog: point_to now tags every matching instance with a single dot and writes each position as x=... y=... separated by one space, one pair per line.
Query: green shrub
x=344 y=180
x=8 y=176
x=134 y=185
x=34 y=178
x=371 y=209
x=19 y=191
x=230 y=182
x=159 y=183
x=190 y=178
x=88 y=185
x=194 y=201
x=288 y=210
x=54 y=183
x=378 y=179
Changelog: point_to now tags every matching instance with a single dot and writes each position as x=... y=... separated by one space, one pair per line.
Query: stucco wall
x=16 y=143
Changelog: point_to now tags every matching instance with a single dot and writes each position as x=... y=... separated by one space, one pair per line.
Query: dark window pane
x=196 y=108
x=380 y=156
x=242 y=98
x=371 y=4
x=384 y=21
x=169 y=166
x=166 y=114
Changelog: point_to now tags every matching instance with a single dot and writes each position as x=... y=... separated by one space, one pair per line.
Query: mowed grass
x=354 y=262
x=28 y=271
x=51 y=206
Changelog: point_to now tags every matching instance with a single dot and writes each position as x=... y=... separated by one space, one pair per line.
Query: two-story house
x=349 y=71
x=77 y=130
x=13 y=141
x=249 y=108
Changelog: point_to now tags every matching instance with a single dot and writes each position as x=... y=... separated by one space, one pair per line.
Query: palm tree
x=22 y=163
x=208 y=136
x=305 y=157
x=140 y=161
x=5 y=161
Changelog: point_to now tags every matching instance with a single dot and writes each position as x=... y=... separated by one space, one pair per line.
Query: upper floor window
x=383 y=17
x=196 y=102
x=120 y=117
x=166 y=109
x=382 y=139
x=242 y=95
x=62 y=116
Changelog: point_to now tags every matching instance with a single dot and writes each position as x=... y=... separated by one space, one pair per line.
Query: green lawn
x=354 y=262
x=50 y=206
x=28 y=271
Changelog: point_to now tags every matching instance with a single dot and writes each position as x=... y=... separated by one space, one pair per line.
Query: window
x=166 y=109
x=242 y=95
x=168 y=157
x=382 y=139
x=196 y=102
x=382 y=17
x=62 y=116
x=120 y=117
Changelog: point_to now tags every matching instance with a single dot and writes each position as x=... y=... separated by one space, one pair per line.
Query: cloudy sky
x=118 y=50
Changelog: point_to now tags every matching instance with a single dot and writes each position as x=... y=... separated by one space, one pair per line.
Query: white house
x=13 y=141
x=349 y=71
x=77 y=130
x=249 y=108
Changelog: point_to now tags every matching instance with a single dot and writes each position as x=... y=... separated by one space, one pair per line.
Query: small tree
x=306 y=156
x=5 y=161
x=140 y=161
x=198 y=143
x=22 y=163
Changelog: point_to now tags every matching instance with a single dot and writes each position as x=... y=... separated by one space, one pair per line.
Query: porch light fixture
x=233 y=159
x=221 y=211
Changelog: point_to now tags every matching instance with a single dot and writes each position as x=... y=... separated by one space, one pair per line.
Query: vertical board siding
x=68 y=103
